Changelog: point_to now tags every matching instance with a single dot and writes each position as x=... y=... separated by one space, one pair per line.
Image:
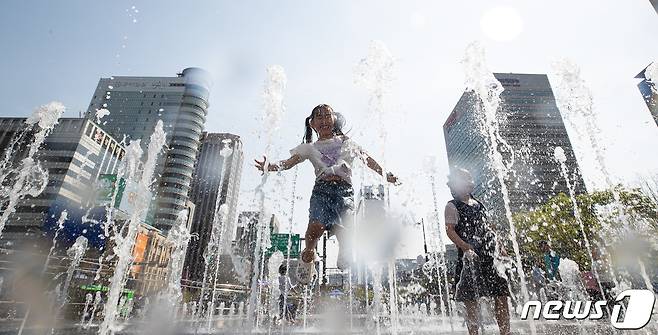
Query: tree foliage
x=604 y=220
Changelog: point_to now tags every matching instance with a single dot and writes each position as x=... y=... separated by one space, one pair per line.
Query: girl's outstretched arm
x=373 y=165
x=278 y=166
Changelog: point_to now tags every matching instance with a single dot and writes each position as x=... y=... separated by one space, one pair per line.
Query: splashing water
x=274 y=108
x=575 y=100
x=441 y=271
x=561 y=158
x=273 y=281
x=29 y=178
x=376 y=73
x=377 y=296
x=89 y=298
x=227 y=225
x=46 y=117
x=570 y=274
x=141 y=181
x=178 y=238
x=94 y=309
x=75 y=253
x=273 y=94
x=468 y=277
x=101 y=113
x=221 y=215
x=162 y=316
x=63 y=216
x=218 y=236
x=481 y=81
x=290 y=229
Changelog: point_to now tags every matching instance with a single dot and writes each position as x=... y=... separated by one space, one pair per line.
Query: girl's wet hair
x=338 y=124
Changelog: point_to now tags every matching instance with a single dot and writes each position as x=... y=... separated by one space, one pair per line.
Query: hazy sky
x=57 y=50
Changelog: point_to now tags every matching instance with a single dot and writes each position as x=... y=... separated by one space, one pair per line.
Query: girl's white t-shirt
x=332 y=156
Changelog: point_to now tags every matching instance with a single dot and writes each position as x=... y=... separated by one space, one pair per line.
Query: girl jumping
x=332 y=200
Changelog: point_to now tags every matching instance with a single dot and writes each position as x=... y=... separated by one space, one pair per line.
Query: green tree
x=603 y=219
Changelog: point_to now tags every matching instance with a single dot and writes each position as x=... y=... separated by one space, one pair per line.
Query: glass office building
x=135 y=105
x=532 y=125
x=76 y=154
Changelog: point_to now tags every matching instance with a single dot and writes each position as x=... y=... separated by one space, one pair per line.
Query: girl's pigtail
x=338 y=124
x=308 y=134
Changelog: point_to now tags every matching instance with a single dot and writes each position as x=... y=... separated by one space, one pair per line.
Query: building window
x=58 y=159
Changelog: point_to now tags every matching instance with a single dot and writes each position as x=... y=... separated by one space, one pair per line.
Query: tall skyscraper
x=76 y=154
x=649 y=92
x=135 y=105
x=532 y=126
x=216 y=181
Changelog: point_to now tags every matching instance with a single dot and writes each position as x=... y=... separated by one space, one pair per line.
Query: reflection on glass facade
x=532 y=125
x=136 y=104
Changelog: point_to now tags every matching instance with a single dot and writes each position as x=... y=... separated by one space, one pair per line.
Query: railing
x=150 y=280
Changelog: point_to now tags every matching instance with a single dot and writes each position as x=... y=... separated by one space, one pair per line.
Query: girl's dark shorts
x=332 y=202
x=484 y=281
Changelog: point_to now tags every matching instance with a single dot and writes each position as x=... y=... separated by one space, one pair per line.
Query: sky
x=58 y=50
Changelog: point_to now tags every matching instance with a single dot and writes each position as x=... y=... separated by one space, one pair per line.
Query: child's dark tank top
x=473 y=229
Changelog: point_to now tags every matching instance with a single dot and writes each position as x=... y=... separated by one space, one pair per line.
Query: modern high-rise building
x=76 y=154
x=135 y=105
x=649 y=92
x=216 y=181
x=532 y=126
